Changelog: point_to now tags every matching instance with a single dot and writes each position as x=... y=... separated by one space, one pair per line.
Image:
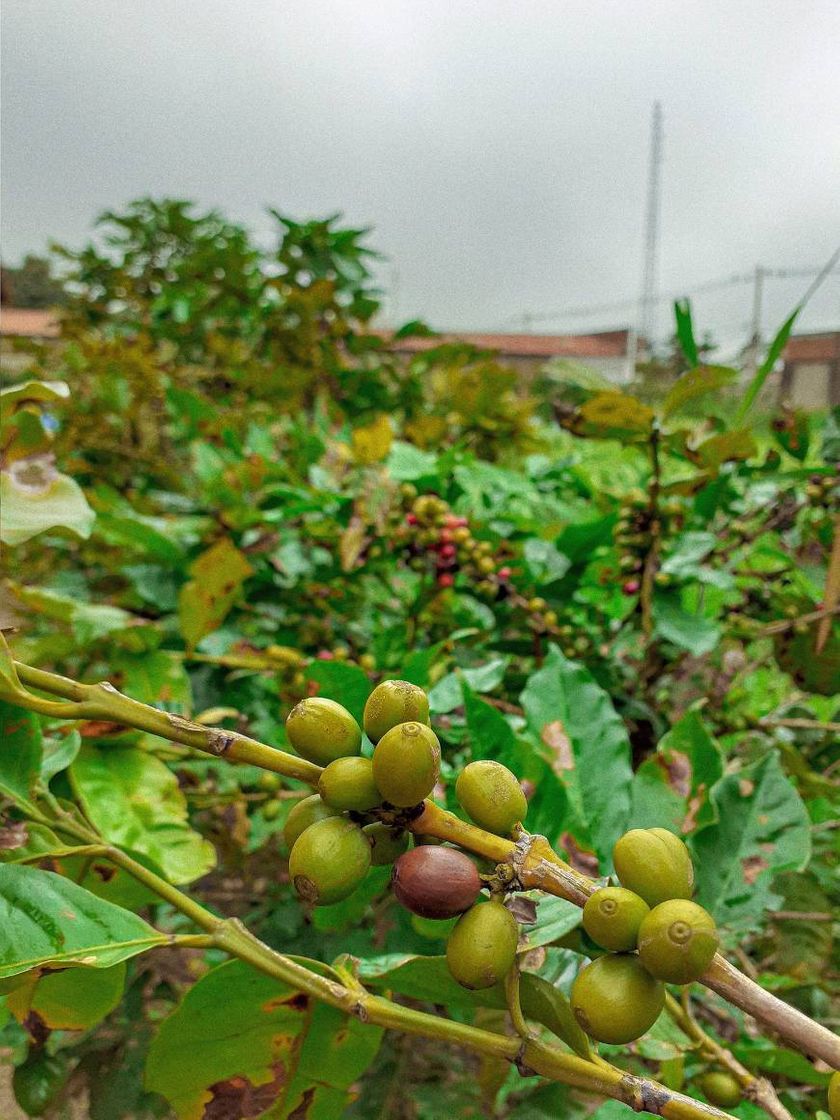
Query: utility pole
x=755 y=331
x=647 y=310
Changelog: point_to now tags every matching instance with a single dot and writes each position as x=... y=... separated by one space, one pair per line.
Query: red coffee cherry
x=435 y=882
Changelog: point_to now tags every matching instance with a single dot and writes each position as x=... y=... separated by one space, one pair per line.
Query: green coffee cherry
x=721 y=1089
x=392 y=703
x=271 y=810
x=482 y=946
x=612 y=916
x=329 y=861
x=616 y=1000
x=655 y=864
x=321 y=730
x=677 y=941
x=386 y=844
x=491 y=796
x=406 y=764
x=834 y=1096
x=303 y=814
x=348 y=783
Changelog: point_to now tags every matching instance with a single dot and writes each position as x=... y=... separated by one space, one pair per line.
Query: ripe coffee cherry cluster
x=823 y=492
x=436 y=537
x=359 y=815
x=654 y=933
x=633 y=534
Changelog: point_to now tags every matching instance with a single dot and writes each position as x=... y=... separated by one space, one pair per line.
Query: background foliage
x=637 y=620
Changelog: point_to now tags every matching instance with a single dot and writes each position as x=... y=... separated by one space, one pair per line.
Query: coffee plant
x=383 y=738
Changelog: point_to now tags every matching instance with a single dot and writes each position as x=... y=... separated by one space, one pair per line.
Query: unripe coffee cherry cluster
x=358 y=818
x=654 y=933
x=633 y=535
x=333 y=835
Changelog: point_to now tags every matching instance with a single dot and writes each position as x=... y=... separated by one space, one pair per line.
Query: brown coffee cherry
x=612 y=916
x=386 y=844
x=677 y=941
x=406 y=764
x=655 y=864
x=392 y=703
x=615 y=999
x=303 y=814
x=321 y=730
x=482 y=947
x=329 y=861
x=348 y=783
x=721 y=1089
x=491 y=796
x=435 y=882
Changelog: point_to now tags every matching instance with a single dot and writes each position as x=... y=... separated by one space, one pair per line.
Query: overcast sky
x=497 y=147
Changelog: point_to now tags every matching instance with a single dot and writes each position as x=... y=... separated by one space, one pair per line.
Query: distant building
x=608 y=352
x=810 y=375
x=23 y=324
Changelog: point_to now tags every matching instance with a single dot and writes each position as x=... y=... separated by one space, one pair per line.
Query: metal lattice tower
x=650 y=276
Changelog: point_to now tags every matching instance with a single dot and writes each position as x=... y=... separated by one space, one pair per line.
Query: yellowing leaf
x=373 y=442
x=204 y=602
x=726 y=447
x=351 y=544
x=694 y=383
x=614 y=415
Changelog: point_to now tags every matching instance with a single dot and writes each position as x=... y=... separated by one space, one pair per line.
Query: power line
x=717 y=284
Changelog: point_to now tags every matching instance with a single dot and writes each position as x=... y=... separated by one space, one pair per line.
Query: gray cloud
x=498 y=147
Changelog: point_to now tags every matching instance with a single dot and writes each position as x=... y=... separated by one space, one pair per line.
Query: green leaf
x=59 y=752
x=762 y=829
x=692 y=632
x=46 y=919
x=9 y=683
x=571 y=715
x=672 y=787
x=347 y=684
x=20 y=752
x=761 y=374
x=135 y=801
x=425 y=978
x=250 y=1043
x=696 y=383
x=35 y=497
x=555 y=918
x=71 y=1000
x=685 y=331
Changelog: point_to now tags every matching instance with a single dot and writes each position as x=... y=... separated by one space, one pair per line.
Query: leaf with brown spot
x=14 y=835
x=752 y=868
x=580 y=859
x=238 y=1099
x=240 y=1039
x=555 y=738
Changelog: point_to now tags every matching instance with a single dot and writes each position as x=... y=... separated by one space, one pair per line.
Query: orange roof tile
x=607 y=344
x=823 y=347
x=25 y=322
